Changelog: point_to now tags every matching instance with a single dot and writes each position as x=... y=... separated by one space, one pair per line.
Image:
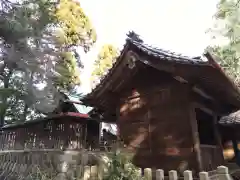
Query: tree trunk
x=26 y=105
x=4 y=98
x=24 y=116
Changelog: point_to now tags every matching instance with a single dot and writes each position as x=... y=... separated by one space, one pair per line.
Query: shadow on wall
x=151 y=132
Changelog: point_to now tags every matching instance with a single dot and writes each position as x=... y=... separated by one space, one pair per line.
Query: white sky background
x=177 y=25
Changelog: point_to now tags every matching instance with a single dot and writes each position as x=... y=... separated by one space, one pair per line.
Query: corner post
x=195 y=136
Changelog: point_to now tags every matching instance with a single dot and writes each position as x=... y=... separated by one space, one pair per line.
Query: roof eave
x=101 y=87
x=213 y=62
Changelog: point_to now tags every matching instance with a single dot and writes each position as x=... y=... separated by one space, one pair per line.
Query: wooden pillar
x=235 y=148
x=117 y=124
x=217 y=134
x=100 y=133
x=195 y=136
x=85 y=136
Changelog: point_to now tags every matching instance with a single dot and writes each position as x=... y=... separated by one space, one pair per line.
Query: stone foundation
x=23 y=163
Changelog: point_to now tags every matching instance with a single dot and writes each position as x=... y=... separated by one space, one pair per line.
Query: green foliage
x=76 y=30
x=75 y=24
x=37 y=41
x=69 y=71
x=228 y=27
x=25 y=19
x=121 y=168
x=104 y=61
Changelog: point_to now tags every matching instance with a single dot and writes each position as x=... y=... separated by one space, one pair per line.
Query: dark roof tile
x=209 y=76
x=165 y=54
x=231 y=119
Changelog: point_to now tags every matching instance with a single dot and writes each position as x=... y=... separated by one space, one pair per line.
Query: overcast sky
x=177 y=25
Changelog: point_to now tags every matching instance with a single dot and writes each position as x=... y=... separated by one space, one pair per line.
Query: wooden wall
x=49 y=134
x=154 y=121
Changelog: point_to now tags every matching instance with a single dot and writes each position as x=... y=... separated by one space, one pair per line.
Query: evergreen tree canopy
x=38 y=41
x=228 y=27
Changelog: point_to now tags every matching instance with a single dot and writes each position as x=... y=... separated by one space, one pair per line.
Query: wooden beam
x=74 y=102
x=207 y=103
x=195 y=88
x=180 y=79
x=211 y=102
x=203 y=108
x=202 y=92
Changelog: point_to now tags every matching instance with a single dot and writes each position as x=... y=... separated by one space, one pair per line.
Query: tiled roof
x=155 y=52
x=80 y=108
x=203 y=71
x=164 y=54
x=52 y=117
x=231 y=119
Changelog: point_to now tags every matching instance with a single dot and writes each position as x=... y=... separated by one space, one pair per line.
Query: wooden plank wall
x=60 y=134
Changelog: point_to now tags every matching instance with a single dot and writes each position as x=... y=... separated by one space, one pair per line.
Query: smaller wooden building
x=229 y=126
x=66 y=128
x=167 y=106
